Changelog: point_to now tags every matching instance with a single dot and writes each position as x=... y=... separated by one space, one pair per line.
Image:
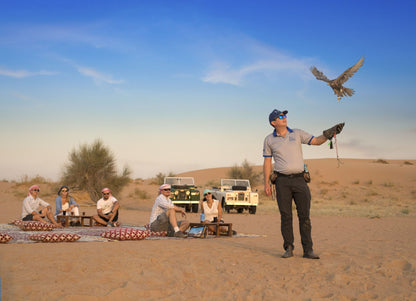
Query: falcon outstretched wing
x=319 y=75
x=349 y=72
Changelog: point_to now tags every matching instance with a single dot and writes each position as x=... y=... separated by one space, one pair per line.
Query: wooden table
x=217 y=227
x=64 y=220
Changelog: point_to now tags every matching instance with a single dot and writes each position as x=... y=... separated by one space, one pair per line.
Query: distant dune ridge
x=363 y=226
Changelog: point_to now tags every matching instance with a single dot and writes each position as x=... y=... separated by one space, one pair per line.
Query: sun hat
x=164 y=186
x=273 y=115
x=207 y=191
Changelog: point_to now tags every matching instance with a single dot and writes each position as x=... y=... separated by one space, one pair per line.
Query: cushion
x=4 y=238
x=159 y=233
x=126 y=234
x=35 y=226
x=55 y=237
x=17 y=222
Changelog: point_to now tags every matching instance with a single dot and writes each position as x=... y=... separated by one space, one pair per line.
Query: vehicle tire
x=252 y=209
x=223 y=203
x=227 y=209
x=240 y=210
x=195 y=208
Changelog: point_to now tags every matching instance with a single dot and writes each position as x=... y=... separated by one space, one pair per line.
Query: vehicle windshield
x=233 y=182
x=179 y=181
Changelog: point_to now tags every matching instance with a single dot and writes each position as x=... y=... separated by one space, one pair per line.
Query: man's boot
x=310 y=254
x=288 y=253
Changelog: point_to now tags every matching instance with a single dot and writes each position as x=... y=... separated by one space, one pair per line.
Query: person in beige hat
x=163 y=216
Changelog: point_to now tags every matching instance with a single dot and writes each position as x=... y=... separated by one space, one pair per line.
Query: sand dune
x=363 y=219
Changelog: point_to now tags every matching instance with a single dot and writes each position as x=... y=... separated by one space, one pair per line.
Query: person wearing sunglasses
x=163 y=216
x=35 y=209
x=107 y=209
x=212 y=210
x=66 y=205
x=284 y=145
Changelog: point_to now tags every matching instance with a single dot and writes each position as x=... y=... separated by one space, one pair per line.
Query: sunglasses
x=281 y=116
x=166 y=189
x=64 y=190
x=36 y=190
x=106 y=193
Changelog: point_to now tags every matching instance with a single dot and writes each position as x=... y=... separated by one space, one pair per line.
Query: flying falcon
x=336 y=84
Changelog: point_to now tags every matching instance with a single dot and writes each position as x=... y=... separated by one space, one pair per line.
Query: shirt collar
x=275 y=134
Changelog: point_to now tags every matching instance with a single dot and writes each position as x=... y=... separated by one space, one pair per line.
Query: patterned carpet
x=87 y=233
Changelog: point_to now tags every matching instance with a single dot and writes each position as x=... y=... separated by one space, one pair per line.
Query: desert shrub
x=25 y=180
x=140 y=194
x=381 y=161
x=329 y=183
x=93 y=167
x=405 y=211
x=245 y=171
x=160 y=178
x=213 y=183
x=356 y=182
x=408 y=163
x=372 y=193
x=324 y=191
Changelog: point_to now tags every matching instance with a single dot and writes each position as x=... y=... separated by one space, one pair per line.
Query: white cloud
x=260 y=59
x=222 y=73
x=97 y=76
x=24 y=73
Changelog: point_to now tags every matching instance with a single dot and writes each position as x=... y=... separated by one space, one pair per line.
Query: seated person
x=35 y=209
x=65 y=205
x=163 y=216
x=107 y=209
x=212 y=210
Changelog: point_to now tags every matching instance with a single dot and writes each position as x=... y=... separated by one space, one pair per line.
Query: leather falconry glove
x=329 y=133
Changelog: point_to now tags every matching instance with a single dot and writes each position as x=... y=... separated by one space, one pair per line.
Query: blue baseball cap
x=207 y=191
x=273 y=115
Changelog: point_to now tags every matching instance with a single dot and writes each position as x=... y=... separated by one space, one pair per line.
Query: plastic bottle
x=202 y=217
x=305 y=167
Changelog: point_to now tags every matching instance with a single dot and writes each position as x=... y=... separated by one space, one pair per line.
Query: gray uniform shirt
x=287 y=151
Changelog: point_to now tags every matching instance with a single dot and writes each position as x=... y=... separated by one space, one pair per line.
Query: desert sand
x=363 y=226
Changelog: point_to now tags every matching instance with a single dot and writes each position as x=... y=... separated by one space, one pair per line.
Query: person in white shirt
x=107 y=209
x=35 y=209
x=163 y=216
x=212 y=210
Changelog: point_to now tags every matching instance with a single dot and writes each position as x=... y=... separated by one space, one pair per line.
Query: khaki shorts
x=162 y=224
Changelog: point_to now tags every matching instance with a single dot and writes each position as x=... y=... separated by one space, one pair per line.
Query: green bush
x=160 y=178
x=93 y=167
x=245 y=171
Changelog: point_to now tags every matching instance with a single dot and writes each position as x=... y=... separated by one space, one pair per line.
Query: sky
x=174 y=86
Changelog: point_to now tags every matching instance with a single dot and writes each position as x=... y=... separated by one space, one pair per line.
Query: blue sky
x=173 y=86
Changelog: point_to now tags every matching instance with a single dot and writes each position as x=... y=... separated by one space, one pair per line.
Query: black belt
x=295 y=175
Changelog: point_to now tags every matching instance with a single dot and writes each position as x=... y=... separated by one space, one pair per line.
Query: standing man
x=107 y=209
x=163 y=216
x=285 y=146
x=35 y=209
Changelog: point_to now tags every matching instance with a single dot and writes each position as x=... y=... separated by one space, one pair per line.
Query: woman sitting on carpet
x=213 y=211
x=65 y=205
